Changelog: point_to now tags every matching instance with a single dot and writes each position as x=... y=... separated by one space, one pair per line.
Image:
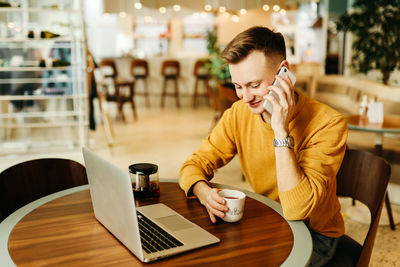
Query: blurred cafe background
x=141 y=80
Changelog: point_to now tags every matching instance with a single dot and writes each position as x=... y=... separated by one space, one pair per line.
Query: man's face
x=251 y=77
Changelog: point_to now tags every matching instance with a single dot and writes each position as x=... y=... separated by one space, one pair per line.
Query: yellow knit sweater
x=320 y=135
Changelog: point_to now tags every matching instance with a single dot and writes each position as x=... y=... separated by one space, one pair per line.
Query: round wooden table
x=61 y=230
x=391 y=124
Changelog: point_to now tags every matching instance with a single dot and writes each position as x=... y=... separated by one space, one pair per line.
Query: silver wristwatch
x=287 y=142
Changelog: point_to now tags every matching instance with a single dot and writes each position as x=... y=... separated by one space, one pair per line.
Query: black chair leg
x=164 y=92
x=389 y=212
x=177 y=93
x=146 y=93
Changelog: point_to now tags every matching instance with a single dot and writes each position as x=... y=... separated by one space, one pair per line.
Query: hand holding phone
x=283 y=72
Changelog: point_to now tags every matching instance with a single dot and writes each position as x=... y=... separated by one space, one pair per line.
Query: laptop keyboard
x=153 y=237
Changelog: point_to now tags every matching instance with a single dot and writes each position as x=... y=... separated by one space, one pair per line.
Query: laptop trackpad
x=174 y=222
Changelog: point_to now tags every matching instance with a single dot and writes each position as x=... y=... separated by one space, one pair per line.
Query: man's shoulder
x=239 y=108
x=320 y=109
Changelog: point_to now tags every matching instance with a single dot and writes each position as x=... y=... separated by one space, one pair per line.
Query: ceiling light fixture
x=138 y=5
x=177 y=8
x=265 y=7
x=276 y=8
x=207 y=7
x=282 y=12
x=243 y=10
x=222 y=9
x=162 y=10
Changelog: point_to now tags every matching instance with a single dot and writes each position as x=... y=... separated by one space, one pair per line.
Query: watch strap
x=286 y=142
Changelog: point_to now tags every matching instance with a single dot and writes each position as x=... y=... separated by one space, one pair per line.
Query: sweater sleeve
x=216 y=150
x=320 y=160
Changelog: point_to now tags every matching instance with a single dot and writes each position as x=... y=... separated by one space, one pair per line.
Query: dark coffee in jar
x=144 y=178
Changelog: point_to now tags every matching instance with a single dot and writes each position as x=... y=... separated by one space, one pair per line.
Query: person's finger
x=290 y=91
x=285 y=95
x=212 y=216
x=275 y=104
x=217 y=212
x=218 y=207
x=216 y=197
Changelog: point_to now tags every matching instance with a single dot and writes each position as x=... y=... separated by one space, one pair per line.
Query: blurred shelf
x=40 y=114
x=32 y=44
x=7 y=69
x=21 y=73
x=40 y=97
x=43 y=124
x=38 y=9
x=35 y=80
x=38 y=40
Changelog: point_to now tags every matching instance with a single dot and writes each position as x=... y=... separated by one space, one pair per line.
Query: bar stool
x=170 y=70
x=140 y=71
x=201 y=74
x=111 y=80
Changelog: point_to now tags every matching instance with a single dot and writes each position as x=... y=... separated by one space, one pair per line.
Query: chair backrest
x=364 y=176
x=200 y=68
x=139 y=67
x=170 y=68
x=226 y=96
x=108 y=68
x=30 y=180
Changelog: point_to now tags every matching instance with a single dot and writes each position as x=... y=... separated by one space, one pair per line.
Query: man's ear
x=284 y=63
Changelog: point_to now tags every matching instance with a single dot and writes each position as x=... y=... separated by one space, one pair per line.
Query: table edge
x=356 y=127
x=373 y=130
x=299 y=255
x=8 y=224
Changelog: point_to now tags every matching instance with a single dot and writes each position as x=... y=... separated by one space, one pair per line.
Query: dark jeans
x=324 y=248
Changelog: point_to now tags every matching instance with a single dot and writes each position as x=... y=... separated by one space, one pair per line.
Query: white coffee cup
x=235 y=202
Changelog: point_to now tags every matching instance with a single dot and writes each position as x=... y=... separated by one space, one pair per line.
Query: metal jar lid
x=143 y=168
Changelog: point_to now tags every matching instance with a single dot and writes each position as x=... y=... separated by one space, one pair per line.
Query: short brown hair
x=256 y=38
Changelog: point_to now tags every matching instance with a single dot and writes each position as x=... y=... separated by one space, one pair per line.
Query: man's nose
x=247 y=96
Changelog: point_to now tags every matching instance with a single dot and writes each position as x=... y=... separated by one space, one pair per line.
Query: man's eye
x=255 y=85
x=238 y=87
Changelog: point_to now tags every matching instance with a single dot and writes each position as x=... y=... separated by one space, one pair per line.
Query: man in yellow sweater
x=291 y=156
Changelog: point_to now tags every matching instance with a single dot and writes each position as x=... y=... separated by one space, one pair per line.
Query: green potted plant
x=376 y=29
x=216 y=67
x=221 y=89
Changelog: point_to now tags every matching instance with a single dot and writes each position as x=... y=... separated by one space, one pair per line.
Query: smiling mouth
x=254 y=104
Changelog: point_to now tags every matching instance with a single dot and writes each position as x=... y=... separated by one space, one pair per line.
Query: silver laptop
x=114 y=207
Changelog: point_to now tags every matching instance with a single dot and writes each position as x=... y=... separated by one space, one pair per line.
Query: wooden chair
x=112 y=81
x=364 y=177
x=170 y=70
x=30 y=180
x=221 y=100
x=201 y=74
x=140 y=71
